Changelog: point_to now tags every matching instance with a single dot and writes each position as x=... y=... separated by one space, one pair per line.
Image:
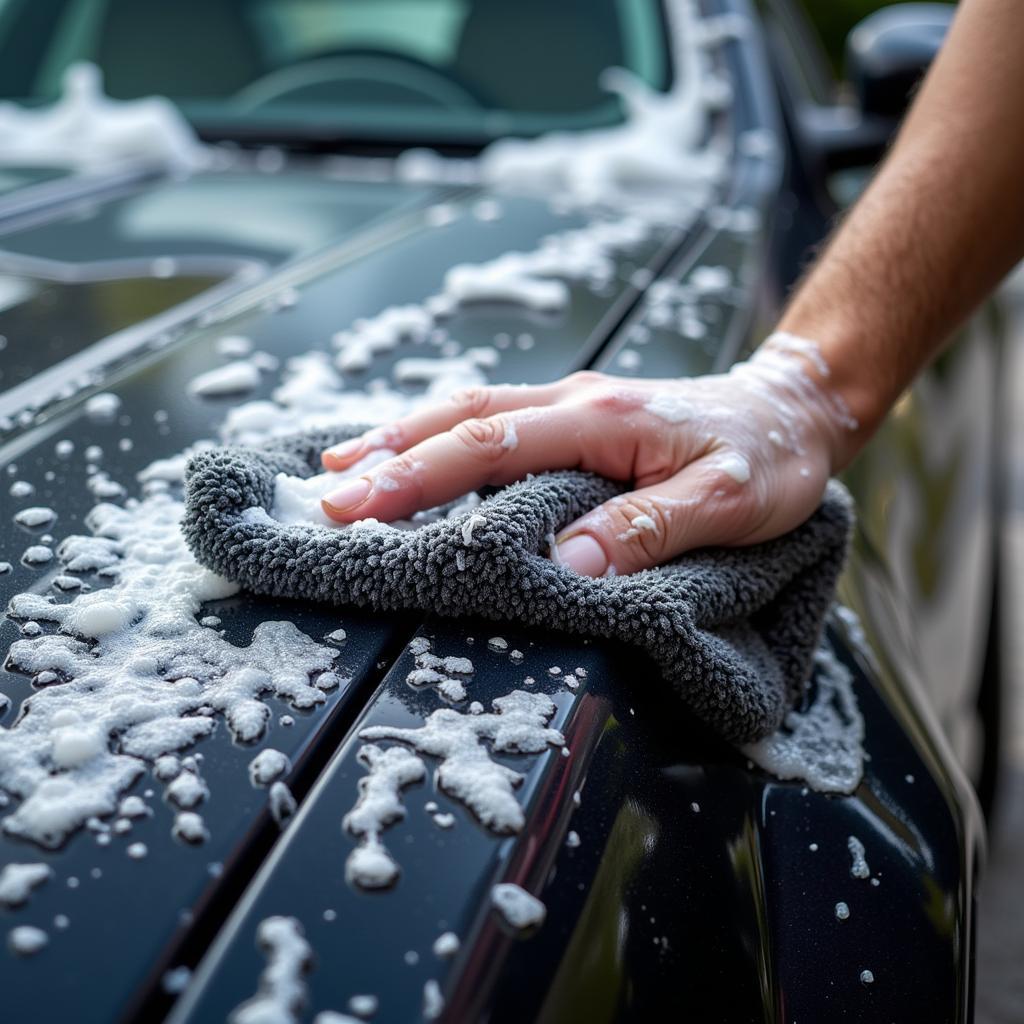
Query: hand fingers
x=708 y=502
x=479 y=452
x=467 y=404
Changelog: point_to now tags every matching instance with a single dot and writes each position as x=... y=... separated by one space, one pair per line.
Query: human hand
x=732 y=459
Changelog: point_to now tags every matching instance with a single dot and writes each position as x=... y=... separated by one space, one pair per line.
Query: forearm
x=940 y=225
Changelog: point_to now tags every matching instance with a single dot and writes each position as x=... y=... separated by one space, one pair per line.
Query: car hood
x=126 y=286
x=101 y=273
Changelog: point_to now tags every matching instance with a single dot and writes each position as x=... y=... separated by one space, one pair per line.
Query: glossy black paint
x=721 y=913
x=354 y=278
x=697 y=879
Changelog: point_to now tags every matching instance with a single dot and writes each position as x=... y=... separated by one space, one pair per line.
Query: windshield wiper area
x=338 y=140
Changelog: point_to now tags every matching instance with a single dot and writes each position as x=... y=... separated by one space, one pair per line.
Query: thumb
x=710 y=501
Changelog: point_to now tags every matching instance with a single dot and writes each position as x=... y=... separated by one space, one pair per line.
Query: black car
x=180 y=761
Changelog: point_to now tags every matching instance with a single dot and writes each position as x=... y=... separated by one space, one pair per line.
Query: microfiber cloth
x=733 y=629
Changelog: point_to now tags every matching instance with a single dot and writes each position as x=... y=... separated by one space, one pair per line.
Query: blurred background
x=833 y=19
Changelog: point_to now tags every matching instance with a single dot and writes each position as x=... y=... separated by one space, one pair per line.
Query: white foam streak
x=85 y=128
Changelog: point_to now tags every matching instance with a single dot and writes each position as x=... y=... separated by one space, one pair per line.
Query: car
x=185 y=782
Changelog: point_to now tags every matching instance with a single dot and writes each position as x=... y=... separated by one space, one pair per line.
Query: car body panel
x=698 y=881
x=396 y=260
x=725 y=906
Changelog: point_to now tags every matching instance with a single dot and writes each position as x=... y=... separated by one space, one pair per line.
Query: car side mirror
x=889 y=51
x=887 y=54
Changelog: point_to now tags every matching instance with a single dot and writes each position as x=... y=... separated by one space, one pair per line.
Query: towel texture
x=734 y=629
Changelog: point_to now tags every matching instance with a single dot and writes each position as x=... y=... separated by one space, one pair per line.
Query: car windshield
x=405 y=71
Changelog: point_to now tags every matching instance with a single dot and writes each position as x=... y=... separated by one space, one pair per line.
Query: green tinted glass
x=404 y=69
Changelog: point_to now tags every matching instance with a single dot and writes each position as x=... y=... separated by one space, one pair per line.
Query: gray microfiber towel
x=733 y=629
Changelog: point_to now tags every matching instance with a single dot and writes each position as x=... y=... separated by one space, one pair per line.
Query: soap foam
x=85 y=128
x=133 y=663
x=234 y=378
x=656 y=160
x=519 y=909
x=822 y=743
x=466 y=770
x=369 y=865
x=282 y=989
x=18 y=880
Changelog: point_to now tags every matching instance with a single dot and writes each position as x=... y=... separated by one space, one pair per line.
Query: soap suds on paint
x=268 y=766
x=18 y=880
x=629 y=359
x=379 y=805
x=441 y=672
x=103 y=407
x=37 y=554
x=27 y=940
x=187 y=790
x=282 y=803
x=466 y=770
x=234 y=346
x=511 y=278
x=519 y=908
x=190 y=827
x=176 y=980
x=823 y=743
x=281 y=995
x=708 y=280
x=87 y=129
x=367 y=338
x=234 y=378
x=364 y=1006
x=37 y=515
x=131 y=661
x=417 y=370
x=433 y=1001
x=446 y=945
x=858 y=861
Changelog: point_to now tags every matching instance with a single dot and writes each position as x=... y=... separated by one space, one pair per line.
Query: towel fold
x=733 y=629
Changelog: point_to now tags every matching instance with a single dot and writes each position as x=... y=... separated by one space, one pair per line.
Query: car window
x=473 y=68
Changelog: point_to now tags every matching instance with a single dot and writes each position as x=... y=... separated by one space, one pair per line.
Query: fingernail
x=346 y=448
x=355 y=492
x=583 y=554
